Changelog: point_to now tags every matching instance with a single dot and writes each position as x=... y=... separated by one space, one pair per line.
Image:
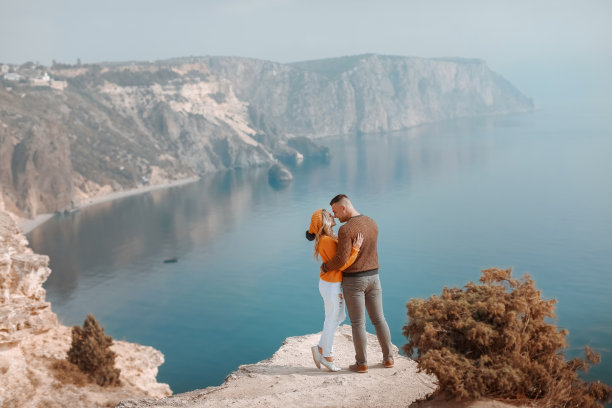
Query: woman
x=330 y=284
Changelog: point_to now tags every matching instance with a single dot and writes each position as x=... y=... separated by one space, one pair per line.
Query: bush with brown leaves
x=91 y=352
x=67 y=373
x=492 y=340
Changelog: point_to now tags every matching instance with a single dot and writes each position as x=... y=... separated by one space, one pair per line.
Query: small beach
x=28 y=224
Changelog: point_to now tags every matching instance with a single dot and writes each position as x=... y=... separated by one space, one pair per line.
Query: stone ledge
x=290 y=379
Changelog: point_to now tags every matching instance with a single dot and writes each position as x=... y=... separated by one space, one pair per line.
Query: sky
x=545 y=47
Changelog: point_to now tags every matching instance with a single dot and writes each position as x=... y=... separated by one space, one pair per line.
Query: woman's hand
x=358 y=241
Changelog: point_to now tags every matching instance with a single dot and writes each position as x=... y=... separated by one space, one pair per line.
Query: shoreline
x=27 y=225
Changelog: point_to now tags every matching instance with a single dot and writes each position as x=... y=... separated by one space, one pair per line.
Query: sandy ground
x=26 y=225
x=290 y=379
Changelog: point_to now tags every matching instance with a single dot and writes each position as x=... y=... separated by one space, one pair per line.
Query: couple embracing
x=349 y=273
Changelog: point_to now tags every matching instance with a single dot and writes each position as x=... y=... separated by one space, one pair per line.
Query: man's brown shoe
x=388 y=363
x=358 y=368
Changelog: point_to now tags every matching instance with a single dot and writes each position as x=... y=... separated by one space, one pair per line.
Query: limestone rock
x=23 y=309
x=290 y=379
x=279 y=175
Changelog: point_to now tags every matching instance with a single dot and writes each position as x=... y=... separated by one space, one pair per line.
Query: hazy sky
x=537 y=44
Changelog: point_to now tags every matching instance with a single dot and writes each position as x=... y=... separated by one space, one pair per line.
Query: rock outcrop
x=23 y=309
x=122 y=126
x=290 y=379
x=279 y=176
x=32 y=341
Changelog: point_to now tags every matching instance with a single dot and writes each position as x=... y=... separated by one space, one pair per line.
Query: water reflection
x=98 y=241
x=378 y=163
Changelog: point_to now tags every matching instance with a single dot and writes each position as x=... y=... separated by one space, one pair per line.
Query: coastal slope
x=69 y=134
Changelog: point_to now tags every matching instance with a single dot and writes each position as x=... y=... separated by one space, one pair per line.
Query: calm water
x=532 y=192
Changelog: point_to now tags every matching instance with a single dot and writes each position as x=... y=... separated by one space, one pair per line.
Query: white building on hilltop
x=44 y=80
x=11 y=76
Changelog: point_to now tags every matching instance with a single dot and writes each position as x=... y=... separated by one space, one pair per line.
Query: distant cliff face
x=368 y=93
x=121 y=126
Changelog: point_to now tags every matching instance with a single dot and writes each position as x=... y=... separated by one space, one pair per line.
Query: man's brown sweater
x=367 y=259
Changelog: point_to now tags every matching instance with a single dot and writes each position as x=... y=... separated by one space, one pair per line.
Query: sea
x=217 y=273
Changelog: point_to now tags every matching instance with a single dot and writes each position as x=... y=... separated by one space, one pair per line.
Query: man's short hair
x=338 y=198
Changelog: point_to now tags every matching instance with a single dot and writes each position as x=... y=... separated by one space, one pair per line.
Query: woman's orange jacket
x=327 y=250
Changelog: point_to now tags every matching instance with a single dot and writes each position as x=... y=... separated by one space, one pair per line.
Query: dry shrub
x=67 y=373
x=491 y=340
x=91 y=353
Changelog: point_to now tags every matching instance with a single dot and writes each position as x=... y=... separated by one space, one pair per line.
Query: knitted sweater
x=327 y=250
x=367 y=259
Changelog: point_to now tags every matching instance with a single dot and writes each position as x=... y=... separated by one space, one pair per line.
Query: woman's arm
x=354 y=251
x=341 y=254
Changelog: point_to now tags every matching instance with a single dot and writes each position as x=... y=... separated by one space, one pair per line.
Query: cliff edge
x=32 y=341
x=290 y=379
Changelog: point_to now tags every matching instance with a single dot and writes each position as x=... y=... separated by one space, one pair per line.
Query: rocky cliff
x=367 y=93
x=112 y=127
x=32 y=343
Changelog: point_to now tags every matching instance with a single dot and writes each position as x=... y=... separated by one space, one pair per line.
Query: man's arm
x=342 y=254
x=351 y=260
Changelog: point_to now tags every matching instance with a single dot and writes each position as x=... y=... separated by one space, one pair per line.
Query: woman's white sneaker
x=316 y=356
x=331 y=366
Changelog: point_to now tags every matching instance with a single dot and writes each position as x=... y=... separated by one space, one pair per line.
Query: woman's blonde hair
x=326 y=229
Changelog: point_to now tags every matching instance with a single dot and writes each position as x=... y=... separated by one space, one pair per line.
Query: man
x=360 y=281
